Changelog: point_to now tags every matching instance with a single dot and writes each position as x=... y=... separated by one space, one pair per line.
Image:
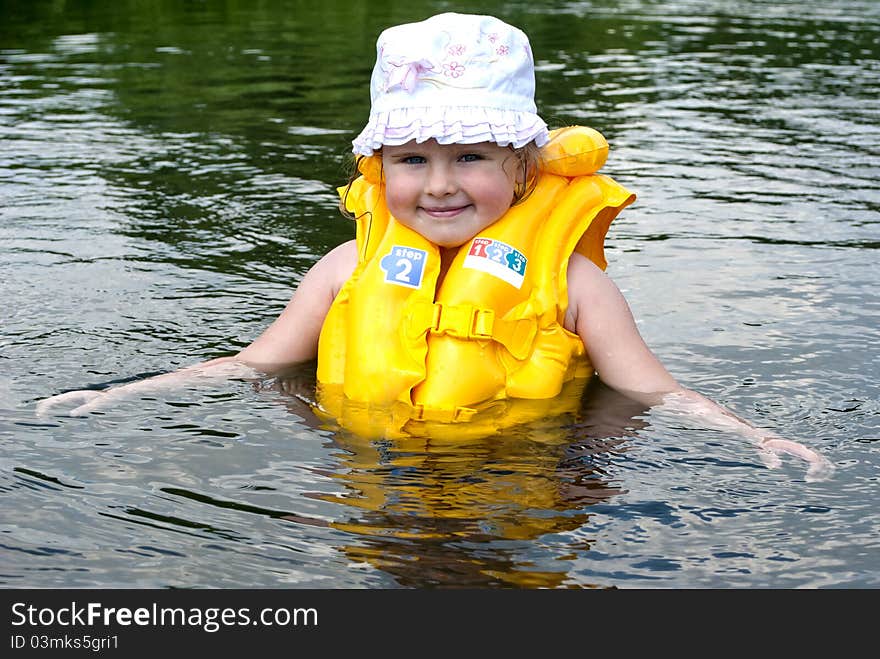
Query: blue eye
x=471 y=157
x=414 y=160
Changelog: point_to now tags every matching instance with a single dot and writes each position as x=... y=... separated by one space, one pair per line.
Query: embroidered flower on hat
x=453 y=70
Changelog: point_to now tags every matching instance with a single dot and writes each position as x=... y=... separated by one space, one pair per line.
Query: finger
x=820 y=471
x=93 y=404
x=44 y=406
x=792 y=448
x=769 y=458
x=820 y=467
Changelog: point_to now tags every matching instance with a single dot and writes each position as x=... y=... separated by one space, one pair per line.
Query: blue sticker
x=404 y=266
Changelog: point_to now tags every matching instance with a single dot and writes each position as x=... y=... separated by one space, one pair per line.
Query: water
x=167 y=175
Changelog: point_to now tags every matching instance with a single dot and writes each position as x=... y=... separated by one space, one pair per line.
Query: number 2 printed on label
x=404 y=266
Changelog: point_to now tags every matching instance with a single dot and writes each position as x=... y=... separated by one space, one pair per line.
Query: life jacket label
x=404 y=266
x=497 y=259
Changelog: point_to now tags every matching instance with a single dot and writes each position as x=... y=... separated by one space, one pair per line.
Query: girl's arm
x=599 y=314
x=293 y=337
x=290 y=339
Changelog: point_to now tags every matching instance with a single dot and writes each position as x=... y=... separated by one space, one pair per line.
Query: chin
x=451 y=238
x=450 y=243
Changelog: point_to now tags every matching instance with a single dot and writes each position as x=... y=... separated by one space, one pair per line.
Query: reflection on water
x=167 y=175
x=442 y=511
x=426 y=509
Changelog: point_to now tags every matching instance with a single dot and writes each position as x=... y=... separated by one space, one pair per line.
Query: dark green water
x=167 y=174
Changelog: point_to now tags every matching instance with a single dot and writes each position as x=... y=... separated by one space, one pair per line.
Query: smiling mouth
x=443 y=212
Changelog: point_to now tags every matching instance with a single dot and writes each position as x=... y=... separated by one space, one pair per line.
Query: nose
x=440 y=180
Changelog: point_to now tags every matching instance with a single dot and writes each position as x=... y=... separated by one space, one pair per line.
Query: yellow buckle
x=465 y=321
x=468 y=322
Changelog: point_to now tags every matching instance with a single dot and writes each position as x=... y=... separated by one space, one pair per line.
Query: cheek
x=502 y=196
x=396 y=196
x=395 y=205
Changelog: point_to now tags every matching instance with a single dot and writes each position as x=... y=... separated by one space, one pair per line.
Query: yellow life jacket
x=397 y=353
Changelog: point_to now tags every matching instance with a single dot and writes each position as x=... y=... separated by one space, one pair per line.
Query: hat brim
x=450 y=125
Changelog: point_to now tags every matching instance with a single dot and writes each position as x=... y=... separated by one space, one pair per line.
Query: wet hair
x=354 y=173
x=528 y=163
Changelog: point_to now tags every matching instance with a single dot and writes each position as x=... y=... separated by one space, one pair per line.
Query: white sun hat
x=456 y=78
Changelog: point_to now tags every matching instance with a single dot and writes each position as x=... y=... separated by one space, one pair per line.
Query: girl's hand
x=89 y=400
x=84 y=396
x=819 y=467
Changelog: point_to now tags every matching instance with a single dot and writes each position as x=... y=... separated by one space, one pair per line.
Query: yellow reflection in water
x=471 y=511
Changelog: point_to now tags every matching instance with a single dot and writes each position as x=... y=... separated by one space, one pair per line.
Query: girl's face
x=448 y=193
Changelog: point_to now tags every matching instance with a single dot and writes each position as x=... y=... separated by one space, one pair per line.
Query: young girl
x=475 y=287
